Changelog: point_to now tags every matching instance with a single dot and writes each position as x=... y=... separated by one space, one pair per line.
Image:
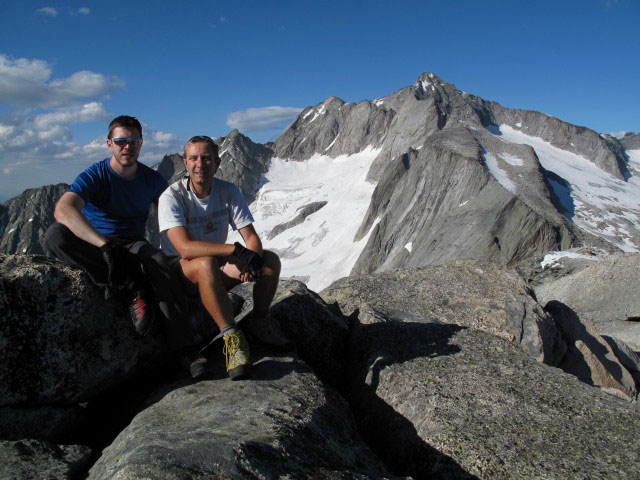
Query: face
x=127 y=155
x=201 y=162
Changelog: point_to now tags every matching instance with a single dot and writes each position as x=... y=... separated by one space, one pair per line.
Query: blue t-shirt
x=114 y=206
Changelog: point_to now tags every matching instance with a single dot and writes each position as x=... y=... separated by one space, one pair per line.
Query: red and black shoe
x=200 y=367
x=141 y=312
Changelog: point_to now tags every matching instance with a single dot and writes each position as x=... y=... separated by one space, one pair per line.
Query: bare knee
x=202 y=269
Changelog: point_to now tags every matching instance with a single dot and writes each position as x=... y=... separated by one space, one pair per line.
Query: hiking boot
x=141 y=312
x=236 y=352
x=267 y=330
x=200 y=367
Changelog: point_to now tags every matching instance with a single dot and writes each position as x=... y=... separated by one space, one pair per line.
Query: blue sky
x=206 y=67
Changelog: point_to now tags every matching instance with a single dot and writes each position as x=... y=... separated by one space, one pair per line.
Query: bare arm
x=68 y=212
x=251 y=238
x=253 y=242
x=190 y=249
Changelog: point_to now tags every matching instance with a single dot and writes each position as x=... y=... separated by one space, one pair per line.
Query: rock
x=50 y=423
x=631 y=141
x=301 y=215
x=61 y=342
x=481 y=295
x=281 y=423
x=334 y=127
x=33 y=459
x=318 y=333
x=554 y=265
x=605 y=293
x=25 y=218
x=589 y=357
x=626 y=356
x=449 y=402
x=243 y=162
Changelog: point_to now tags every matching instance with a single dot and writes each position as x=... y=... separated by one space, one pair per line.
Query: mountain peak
x=429 y=79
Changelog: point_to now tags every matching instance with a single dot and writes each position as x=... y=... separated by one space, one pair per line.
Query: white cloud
x=50 y=11
x=25 y=82
x=84 y=11
x=224 y=20
x=255 y=119
x=157 y=144
x=38 y=149
x=618 y=134
x=89 y=112
x=9 y=169
x=54 y=132
x=162 y=139
x=37 y=144
x=97 y=146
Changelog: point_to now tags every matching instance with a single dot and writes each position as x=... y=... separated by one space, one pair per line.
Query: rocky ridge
x=457 y=364
x=450 y=183
x=24 y=219
x=437 y=198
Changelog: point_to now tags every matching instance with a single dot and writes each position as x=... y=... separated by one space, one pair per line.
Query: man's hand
x=112 y=256
x=250 y=261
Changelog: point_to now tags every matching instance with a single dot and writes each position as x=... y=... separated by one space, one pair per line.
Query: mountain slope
x=423 y=175
x=25 y=218
x=451 y=179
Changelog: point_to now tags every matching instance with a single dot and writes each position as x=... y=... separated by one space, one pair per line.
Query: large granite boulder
x=282 y=423
x=480 y=295
x=35 y=459
x=589 y=356
x=318 y=333
x=605 y=293
x=449 y=402
x=62 y=343
x=438 y=366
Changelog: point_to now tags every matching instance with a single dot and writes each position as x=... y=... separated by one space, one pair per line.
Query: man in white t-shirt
x=194 y=215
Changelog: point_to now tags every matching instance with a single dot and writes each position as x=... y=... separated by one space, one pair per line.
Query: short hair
x=124 y=121
x=202 y=139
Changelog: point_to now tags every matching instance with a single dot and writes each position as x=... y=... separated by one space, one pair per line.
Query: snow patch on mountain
x=511 y=160
x=491 y=164
x=316 y=113
x=551 y=260
x=602 y=204
x=634 y=165
x=331 y=145
x=321 y=249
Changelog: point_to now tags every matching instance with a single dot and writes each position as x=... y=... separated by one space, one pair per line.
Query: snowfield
x=601 y=204
x=322 y=248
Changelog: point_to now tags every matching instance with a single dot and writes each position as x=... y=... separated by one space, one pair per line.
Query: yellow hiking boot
x=236 y=353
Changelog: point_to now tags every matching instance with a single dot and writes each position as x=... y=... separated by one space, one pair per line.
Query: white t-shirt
x=205 y=219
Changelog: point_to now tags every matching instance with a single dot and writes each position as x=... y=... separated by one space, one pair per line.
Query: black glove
x=252 y=262
x=112 y=256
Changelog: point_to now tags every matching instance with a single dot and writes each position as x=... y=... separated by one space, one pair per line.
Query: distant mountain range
x=421 y=176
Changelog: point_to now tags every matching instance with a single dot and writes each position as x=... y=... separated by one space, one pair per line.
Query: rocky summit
x=460 y=296
x=453 y=371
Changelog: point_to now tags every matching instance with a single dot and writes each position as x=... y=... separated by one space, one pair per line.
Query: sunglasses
x=122 y=141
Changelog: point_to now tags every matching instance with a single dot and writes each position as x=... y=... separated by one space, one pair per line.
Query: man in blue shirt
x=100 y=227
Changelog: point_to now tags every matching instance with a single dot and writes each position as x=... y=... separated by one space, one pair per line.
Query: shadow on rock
x=387 y=344
x=318 y=332
x=589 y=357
